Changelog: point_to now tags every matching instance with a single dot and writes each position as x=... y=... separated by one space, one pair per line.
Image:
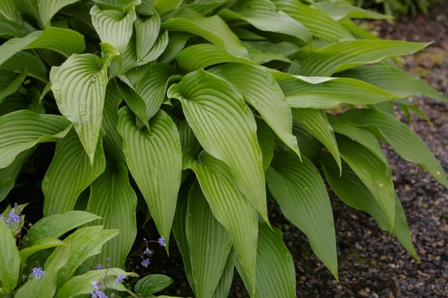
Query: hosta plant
x=205 y=111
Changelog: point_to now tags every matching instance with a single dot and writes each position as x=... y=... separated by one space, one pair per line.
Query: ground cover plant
x=195 y=113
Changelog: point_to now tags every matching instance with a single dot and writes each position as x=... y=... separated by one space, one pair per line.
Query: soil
x=371 y=262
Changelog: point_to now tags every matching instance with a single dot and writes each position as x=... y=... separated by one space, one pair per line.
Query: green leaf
x=70 y=172
x=35 y=66
x=21 y=130
x=113 y=26
x=9 y=174
x=203 y=55
x=10 y=29
x=230 y=207
x=325 y=92
x=176 y=43
x=209 y=244
x=9 y=82
x=84 y=243
x=39 y=245
x=10 y=12
x=213 y=29
x=54 y=226
x=167 y=5
x=152 y=86
x=276 y=276
x=225 y=283
x=79 y=87
x=43 y=11
x=260 y=89
x=133 y=99
x=226 y=129
x=262 y=14
x=266 y=142
x=299 y=190
x=9 y=259
x=82 y=284
x=320 y=24
x=351 y=53
x=146 y=32
x=112 y=198
x=308 y=144
x=154 y=158
x=63 y=41
x=341 y=10
x=393 y=80
x=316 y=122
x=358 y=134
x=376 y=175
x=151 y=284
x=46 y=285
x=354 y=193
x=405 y=142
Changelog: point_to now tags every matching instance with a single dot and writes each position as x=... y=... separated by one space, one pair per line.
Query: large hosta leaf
x=230 y=208
x=64 y=41
x=276 y=276
x=393 y=80
x=226 y=129
x=154 y=158
x=43 y=11
x=167 y=5
x=113 y=26
x=34 y=65
x=9 y=11
x=150 y=44
x=350 y=53
x=262 y=14
x=112 y=198
x=209 y=243
x=70 y=172
x=299 y=190
x=376 y=175
x=317 y=21
x=325 y=93
x=261 y=90
x=341 y=10
x=10 y=29
x=112 y=140
x=405 y=142
x=213 y=29
x=21 y=130
x=354 y=193
x=316 y=122
x=79 y=86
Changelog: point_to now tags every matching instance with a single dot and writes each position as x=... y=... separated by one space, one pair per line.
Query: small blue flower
x=147 y=252
x=145 y=263
x=98 y=266
x=37 y=272
x=161 y=241
x=12 y=217
x=98 y=294
x=96 y=285
x=1 y=217
x=119 y=279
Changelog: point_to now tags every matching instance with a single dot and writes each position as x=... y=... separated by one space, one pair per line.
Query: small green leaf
x=35 y=66
x=21 y=130
x=9 y=82
x=9 y=174
x=151 y=284
x=9 y=259
x=39 y=245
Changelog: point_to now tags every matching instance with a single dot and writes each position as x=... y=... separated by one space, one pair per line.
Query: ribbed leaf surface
x=167 y=5
x=376 y=175
x=9 y=174
x=10 y=12
x=354 y=193
x=341 y=10
x=112 y=140
x=316 y=122
x=114 y=27
x=9 y=259
x=276 y=276
x=405 y=142
x=23 y=129
x=261 y=90
x=154 y=158
x=112 y=198
x=34 y=65
x=9 y=82
x=325 y=93
x=70 y=172
x=10 y=29
x=226 y=129
x=79 y=87
x=213 y=29
x=230 y=208
x=209 y=243
x=262 y=14
x=351 y=53
x=299 y=190
x=63 y=41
